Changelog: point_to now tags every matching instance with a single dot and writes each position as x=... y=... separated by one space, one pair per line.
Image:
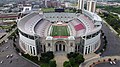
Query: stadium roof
x=40 y=24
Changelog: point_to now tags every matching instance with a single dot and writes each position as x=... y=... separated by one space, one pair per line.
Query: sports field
x=60 y=31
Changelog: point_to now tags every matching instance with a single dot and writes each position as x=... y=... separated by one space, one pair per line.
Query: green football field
x=60 y=31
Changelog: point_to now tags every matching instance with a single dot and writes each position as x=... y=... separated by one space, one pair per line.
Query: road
x=113 y=47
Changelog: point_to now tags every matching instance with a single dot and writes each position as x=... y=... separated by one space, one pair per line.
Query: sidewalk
x=91 y=56
x=60 y=59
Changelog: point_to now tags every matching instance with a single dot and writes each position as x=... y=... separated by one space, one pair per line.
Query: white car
x=11 y=55
x=114 y=62
x=7 y=47
x=1 y=62
x=7 y=56
x=111 y=62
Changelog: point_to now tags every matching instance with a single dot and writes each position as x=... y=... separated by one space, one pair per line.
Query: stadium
x=59 y=32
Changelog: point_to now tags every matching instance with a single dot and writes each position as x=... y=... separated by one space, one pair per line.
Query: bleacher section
x=21 y=24
x=41 y=27
x=77 y=26
x=29 y=26
x=64 y=17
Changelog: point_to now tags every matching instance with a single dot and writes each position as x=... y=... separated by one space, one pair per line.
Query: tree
x=52 y=63
x=72 y=61
x=66 y=64
x=79 y=59
x=79 y=11
x=71 y=54
x=46 y=57
x=74 y=9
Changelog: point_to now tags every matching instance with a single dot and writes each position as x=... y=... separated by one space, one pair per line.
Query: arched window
x=48 y=44
x=71 y=44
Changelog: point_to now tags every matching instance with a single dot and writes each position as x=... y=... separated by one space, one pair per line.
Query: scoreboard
x=59 y=10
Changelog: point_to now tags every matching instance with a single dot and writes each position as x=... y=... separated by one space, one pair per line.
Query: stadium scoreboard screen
x=59 y=10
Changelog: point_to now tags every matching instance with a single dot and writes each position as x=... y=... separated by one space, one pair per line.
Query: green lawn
x=60 y=31
x=48 y=9
x=5 y=27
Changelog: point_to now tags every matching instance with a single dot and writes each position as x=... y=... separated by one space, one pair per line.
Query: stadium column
x=84 y=50
x=53 y=47
x=93 y=47
x=28 y=48
x=57 y=47
x=62 y=47
x=77 y=48
x=87 y=49
x=90 y=49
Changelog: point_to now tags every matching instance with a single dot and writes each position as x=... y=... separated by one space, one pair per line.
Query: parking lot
x=9 y=57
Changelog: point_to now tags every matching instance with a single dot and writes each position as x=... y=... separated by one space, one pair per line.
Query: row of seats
x=73 y=29
x=82 y=18
x=89 y=21
x=29 y=26
x=41 y=27
x=59 y=16
x=77 y=24
x=22 y=22
x=72 y=25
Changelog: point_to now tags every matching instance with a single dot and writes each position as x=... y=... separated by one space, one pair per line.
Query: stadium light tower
x=80 y=4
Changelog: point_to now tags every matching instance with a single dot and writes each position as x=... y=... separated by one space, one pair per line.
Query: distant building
x=67 y=4
x=26 y=9
x=108 y=4
x=80 y=4
x=91 y=6
x=46 y=3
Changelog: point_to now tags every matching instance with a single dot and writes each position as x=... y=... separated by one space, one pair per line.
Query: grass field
x=48 y=9
x=60 y=31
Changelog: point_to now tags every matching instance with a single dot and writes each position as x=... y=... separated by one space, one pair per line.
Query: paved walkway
x=60 y=59
x=91 y=56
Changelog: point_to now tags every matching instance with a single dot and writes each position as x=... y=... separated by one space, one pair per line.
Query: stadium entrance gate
x=60 y=46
